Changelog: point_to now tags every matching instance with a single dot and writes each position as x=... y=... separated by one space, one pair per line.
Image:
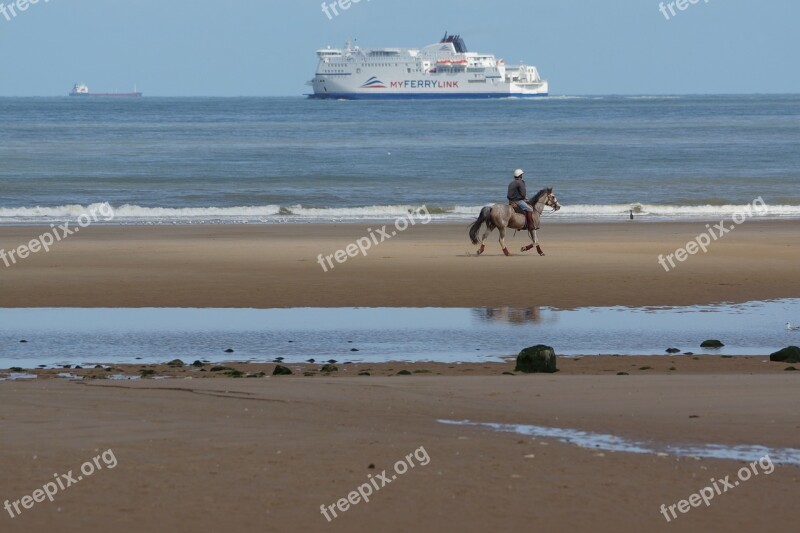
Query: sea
x=294 y=160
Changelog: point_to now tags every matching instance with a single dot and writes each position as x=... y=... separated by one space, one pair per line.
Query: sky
x=267 y=47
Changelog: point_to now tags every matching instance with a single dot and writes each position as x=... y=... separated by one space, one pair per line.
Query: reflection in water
x=512 y=315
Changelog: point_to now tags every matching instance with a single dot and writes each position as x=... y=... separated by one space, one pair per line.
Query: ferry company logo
x=373 y=83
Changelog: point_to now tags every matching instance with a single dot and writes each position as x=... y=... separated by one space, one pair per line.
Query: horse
x=502 y=216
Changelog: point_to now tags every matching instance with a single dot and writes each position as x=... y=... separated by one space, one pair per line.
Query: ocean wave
x=134 y=214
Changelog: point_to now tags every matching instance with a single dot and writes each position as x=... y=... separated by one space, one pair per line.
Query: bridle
x=552 y=202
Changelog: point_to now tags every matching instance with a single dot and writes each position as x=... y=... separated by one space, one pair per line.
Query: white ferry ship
x=442 y=70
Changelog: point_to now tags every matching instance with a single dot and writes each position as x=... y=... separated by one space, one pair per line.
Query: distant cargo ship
x=442 y=70
x=81 y=89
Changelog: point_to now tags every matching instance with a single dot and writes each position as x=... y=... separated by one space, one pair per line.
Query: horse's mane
x=538 y=195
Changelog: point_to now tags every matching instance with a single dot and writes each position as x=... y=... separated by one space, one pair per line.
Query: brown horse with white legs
x=503 y=216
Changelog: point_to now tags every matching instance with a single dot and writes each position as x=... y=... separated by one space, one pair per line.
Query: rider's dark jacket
x=516 y=190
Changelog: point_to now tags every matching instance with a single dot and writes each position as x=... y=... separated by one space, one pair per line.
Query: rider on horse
x=518 y=196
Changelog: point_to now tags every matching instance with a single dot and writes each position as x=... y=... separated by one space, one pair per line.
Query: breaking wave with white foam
x=276 y=214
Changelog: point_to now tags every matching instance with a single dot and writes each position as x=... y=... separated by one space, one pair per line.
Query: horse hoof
x=542 y=254
x=481 y=250
x=505 y=251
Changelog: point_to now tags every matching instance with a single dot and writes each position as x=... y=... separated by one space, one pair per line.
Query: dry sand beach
x=433 y=265
x=201 y=452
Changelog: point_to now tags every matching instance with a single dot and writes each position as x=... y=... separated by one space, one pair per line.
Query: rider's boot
x=529 y=217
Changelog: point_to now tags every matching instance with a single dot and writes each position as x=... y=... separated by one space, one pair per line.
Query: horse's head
x=552 y=201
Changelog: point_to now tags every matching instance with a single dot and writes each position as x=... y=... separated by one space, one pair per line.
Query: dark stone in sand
x=229 y=350
x=278 y=360
x=257 y=375
x=712 y=343
x=790 y=354
x=354 y=350
x=146 y=372
x=309 y=374
x=23 y=341
x=98 y=366
x=539 y=358
x=623 y=374
x=332 y=361
x=281 y=370
x=371 y=466
x=726 y=356
x=16 y=369
x=198 y=364
x=688 y=353
x=790 y=368
x=364 y=374
x=509 y=374
x=67 y=366
x=233 y=373
x=220 y=368
x=404 y=373
x=176 y=362
x=694 y=416
x=422 y=371
x=78 y=367
x=329 y=368
x=311 y=361
x=673 y=350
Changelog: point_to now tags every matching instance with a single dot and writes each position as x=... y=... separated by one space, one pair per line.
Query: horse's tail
x=485 y=216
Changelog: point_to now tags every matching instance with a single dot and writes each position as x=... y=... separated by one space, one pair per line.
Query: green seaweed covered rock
x=790 y=354
x=281 y=370
x=712 y=343
x=539 y=358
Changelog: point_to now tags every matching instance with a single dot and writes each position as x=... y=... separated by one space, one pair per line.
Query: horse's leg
x=503 y=240
x=530 y=246
x=536 y=242
x=483 y=239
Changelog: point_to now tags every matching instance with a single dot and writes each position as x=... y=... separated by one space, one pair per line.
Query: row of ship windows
x=358 y=71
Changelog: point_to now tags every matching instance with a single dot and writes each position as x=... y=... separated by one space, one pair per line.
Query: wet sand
x=431 y=265
x=264 y=454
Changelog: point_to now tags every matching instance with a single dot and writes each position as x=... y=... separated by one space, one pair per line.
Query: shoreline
x=587 y=365
x=272 y=266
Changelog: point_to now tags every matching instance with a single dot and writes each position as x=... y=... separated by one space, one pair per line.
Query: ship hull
x=421 y=96
x=107 y=95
